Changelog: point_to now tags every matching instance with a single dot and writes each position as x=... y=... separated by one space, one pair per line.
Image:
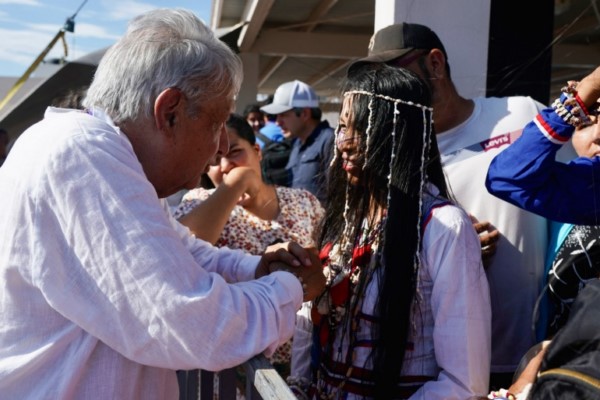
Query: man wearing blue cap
x=296 y=106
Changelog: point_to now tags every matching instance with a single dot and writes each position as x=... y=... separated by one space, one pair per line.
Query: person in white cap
x=296 y=106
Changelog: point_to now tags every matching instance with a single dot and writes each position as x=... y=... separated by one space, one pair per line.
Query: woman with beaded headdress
x=406 y=310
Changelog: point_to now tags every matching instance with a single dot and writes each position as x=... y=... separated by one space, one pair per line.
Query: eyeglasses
x=342 y=136
x=407 y=58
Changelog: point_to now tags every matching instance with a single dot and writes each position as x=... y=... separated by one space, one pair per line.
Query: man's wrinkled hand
x=303 y=262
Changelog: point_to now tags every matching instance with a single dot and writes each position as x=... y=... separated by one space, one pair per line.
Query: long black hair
x=399 y=242
x=241 y=127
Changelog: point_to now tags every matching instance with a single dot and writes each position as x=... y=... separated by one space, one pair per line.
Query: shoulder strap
x=426 y=217
x=263 y=137
x=574 y=375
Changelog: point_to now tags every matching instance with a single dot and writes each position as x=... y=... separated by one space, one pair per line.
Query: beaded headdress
x=426 y=137
x=350 y=260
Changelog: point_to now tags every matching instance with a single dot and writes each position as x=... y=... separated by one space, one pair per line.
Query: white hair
x=163 y=48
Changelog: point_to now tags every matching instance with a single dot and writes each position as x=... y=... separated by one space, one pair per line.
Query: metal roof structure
x=310 y=40
x=315 y=40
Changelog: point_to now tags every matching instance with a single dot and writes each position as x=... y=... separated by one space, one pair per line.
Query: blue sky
x=28 y=26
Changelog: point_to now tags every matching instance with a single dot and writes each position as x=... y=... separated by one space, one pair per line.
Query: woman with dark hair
x=406 y=310
x=255 y=117
x=243 y=212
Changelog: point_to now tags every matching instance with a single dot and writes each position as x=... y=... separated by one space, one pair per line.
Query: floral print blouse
x=298 y=220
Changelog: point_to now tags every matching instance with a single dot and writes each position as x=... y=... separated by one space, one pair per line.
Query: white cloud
x=82 y=30
x=99 y=24
x=126 y=9
x=53 y=28
x=22 y=46
x=22 y=2
x=94 y=31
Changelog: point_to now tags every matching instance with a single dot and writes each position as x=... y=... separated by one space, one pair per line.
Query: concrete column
x=463 y=27
x=249 y=89
x=494 y=48
x=520 y=55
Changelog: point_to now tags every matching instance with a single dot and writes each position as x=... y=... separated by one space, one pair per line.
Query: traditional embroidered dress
x=448 y=351
x=447 y=354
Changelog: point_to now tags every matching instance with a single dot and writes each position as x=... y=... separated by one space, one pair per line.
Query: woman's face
x=586 y=140
x=346 y=142
x=255 y=120
x=241 y=154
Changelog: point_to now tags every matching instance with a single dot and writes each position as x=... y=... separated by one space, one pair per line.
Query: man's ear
x=167 y=107
x=438 y=63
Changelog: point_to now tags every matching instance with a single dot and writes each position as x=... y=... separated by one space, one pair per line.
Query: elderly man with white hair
x=102 y=293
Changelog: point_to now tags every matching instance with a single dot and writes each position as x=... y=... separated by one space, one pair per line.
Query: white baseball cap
x=290 y=95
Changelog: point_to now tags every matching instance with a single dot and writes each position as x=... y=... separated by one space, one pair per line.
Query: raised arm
x=527 y=174
x=208 y=218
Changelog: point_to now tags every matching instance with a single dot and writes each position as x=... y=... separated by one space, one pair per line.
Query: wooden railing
x=262 y=382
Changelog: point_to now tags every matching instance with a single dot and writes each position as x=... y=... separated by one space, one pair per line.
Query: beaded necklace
x=350 y=265
x=348 y=274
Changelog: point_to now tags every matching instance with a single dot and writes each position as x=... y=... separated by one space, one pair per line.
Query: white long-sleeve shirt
x=102 y=294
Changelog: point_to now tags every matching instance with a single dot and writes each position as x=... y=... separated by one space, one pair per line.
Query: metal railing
x=263 y=382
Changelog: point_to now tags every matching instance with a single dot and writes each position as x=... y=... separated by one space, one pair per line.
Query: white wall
x=463 y=27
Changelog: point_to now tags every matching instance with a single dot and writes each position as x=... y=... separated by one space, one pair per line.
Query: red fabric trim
x=548 y=129
x=582 y=105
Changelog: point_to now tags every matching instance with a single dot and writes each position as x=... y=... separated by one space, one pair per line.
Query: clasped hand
x=488 y=238
x=303 y=262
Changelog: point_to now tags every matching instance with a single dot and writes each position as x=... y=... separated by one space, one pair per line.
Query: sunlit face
x=586 y=140
x=256 y=121
x=290 y=123
x=200 y=140
x=241 y=154
x=346 y=142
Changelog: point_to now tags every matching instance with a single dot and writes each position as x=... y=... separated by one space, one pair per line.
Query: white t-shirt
x=515 y=275
x=103 y=295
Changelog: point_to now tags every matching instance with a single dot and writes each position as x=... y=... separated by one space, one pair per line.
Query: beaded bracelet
x=563 y=112
x=570 y=107
x=501 y=394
